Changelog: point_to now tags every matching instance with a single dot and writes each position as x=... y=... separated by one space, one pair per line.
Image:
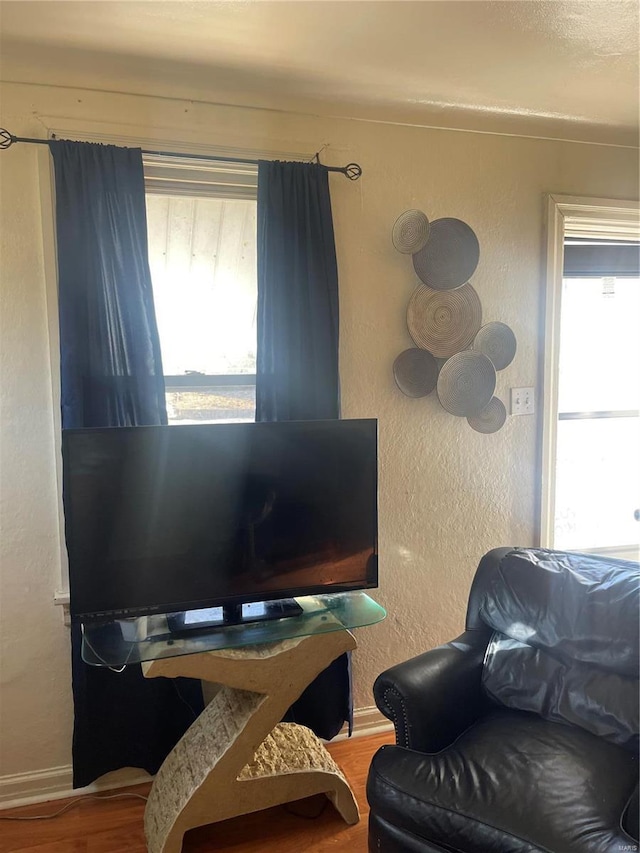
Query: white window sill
x=62 y=599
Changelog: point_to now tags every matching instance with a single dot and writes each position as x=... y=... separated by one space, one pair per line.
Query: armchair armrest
x=433 y=698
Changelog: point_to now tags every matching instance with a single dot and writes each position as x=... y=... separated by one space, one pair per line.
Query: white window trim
x=50 y=266
x=571 y=216
x=193 y=177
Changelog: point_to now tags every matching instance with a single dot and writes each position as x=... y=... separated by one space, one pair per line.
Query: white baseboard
x=366 y=721
x=55 y=783
x=20 y=788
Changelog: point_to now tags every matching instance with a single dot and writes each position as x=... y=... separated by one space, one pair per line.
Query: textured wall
x=447 y=493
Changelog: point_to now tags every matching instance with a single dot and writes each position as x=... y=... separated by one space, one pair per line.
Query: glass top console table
x=121 y=642
x=237 y=757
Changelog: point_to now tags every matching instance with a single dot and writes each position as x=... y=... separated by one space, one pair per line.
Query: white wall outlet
x=522 y=400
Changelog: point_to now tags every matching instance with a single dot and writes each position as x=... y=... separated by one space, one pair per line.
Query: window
x=598 y=440
x=202 y=252
x=591 y=452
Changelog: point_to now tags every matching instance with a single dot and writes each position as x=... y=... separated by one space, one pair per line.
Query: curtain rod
x=351 y=170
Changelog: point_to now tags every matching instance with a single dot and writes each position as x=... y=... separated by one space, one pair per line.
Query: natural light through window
x=598 y=437
x=202 y=253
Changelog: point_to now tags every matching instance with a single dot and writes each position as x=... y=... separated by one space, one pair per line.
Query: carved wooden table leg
x=237 y=758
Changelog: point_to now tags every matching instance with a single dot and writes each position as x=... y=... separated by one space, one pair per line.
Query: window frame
x=569 y=216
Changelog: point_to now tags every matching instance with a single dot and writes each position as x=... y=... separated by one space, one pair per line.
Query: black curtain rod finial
x=353 y=171
x=6 y=139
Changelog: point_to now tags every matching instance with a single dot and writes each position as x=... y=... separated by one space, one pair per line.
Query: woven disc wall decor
x=466 y=383
x=450 y=257
x=444 y=321
x=410 y=232
x=416 y=372
x=491 y=418
x=497 y=342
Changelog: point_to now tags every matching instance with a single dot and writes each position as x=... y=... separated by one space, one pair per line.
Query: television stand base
x=237 y=758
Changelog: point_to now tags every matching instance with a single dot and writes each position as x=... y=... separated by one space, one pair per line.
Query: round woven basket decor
x=497 y=342
x=444 y=322
x=491 y=418
x=466 y=383
x=416 y=372
x=411 y=232
x=450 y=257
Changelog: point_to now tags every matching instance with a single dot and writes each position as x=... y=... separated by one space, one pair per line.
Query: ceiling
x=537 y=67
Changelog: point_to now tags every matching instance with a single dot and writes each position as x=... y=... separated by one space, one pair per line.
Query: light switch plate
x=522 y=401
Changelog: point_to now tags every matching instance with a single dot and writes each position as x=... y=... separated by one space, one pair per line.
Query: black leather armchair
x=521 y=735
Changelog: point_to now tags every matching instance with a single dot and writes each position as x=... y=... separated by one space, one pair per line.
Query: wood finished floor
x=115 y=826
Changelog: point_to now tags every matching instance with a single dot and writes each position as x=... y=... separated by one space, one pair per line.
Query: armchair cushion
x=567 y=640
x=526 y=679
x=576 y=607
x=512 y=781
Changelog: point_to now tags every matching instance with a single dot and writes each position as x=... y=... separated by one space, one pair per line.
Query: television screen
x=163 y=519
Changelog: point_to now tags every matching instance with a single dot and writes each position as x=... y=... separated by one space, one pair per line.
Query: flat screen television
x=167 y=519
